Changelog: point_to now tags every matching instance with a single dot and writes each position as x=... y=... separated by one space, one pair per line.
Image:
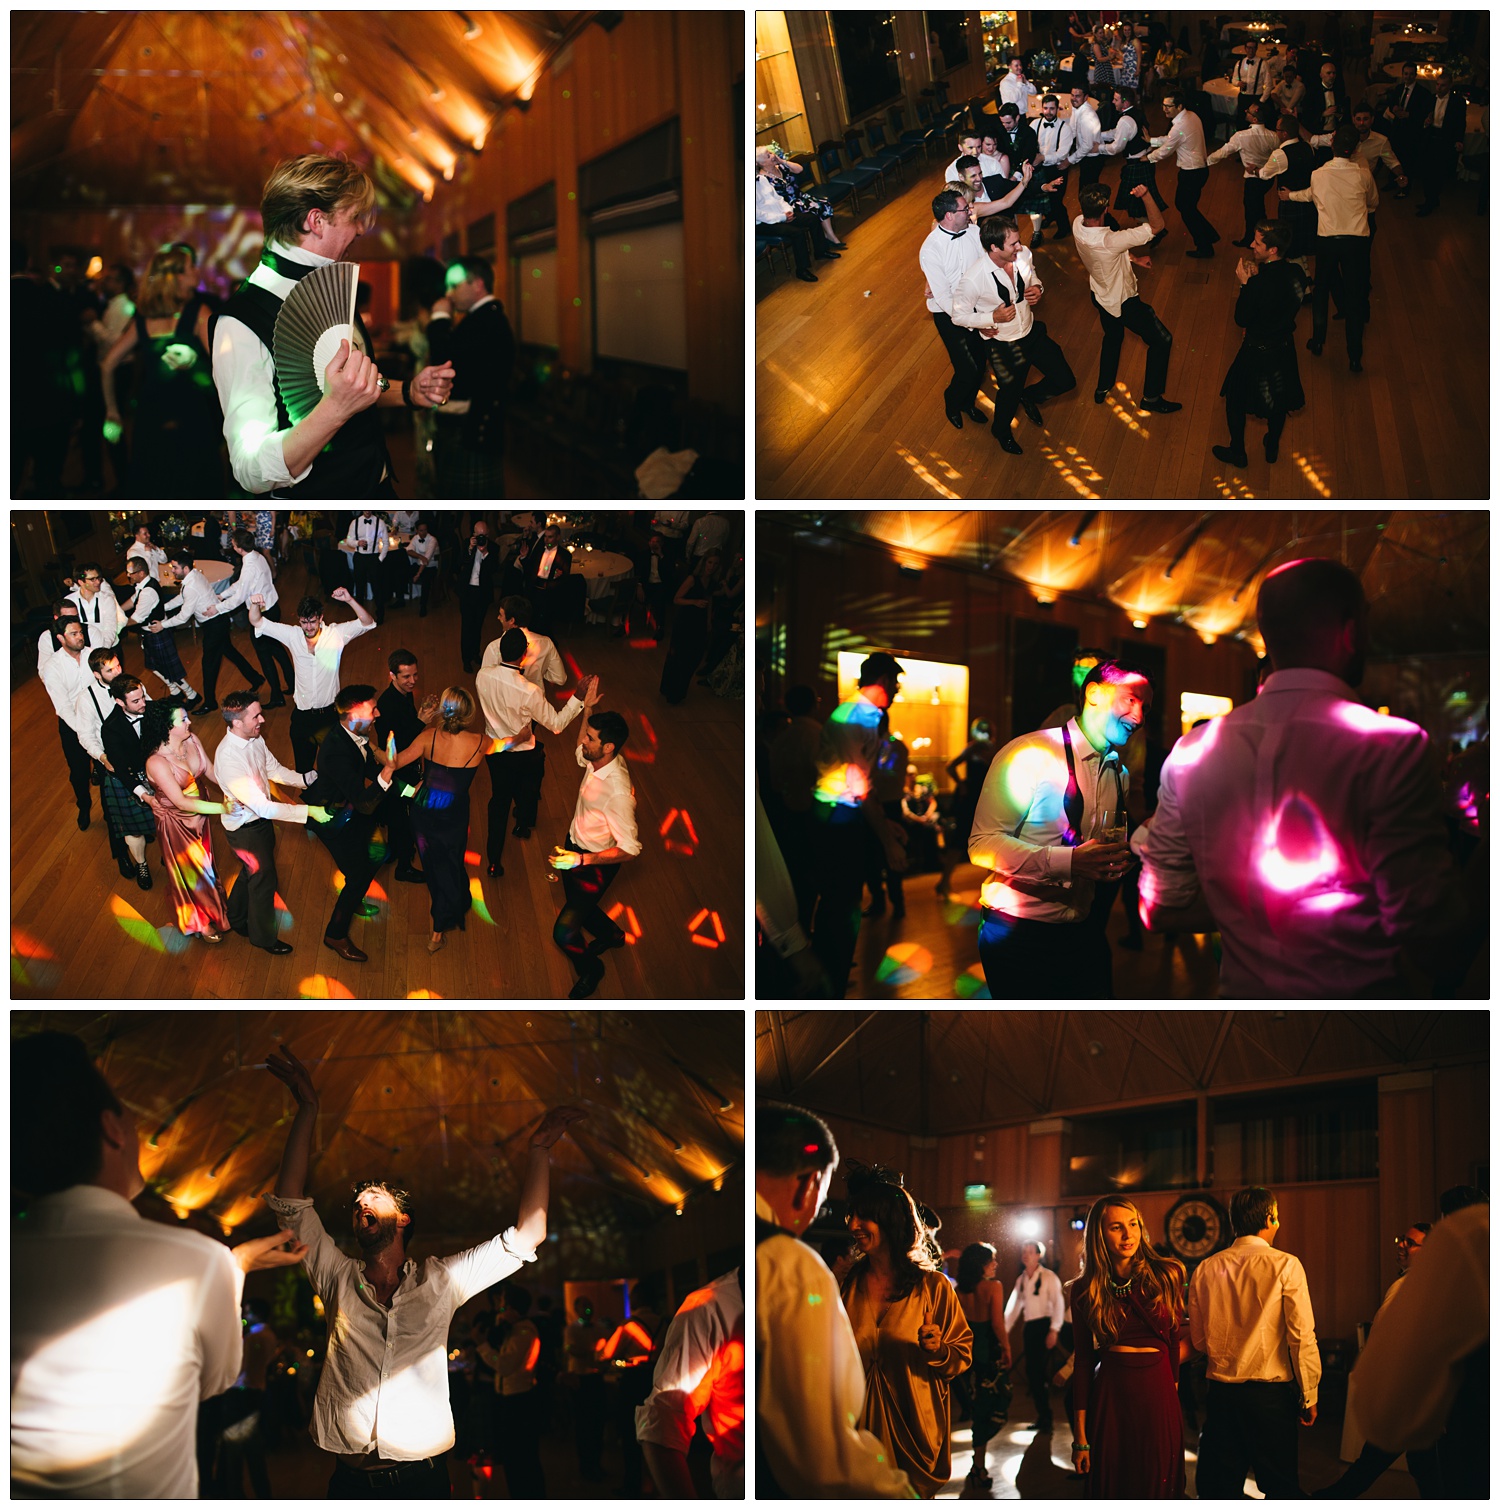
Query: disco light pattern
x=323 y=988
x=679 y=846
x=631 y=926
x=904 y=963
x=1294 y=851
x=708 y=941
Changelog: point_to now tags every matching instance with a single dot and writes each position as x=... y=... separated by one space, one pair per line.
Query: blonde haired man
x=312 y=208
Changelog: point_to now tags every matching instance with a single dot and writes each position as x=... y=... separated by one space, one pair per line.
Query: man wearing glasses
x=97 y=608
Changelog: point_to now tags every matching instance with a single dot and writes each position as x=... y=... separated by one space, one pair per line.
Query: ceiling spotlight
x=678 y=1209
x=471 y=27
x=1139 y=623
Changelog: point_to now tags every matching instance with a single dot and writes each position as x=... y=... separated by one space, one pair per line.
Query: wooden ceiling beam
x=778 y=1049
x=1378 y=1038
x=1176 y=1067
x=842 y=1044
x=1210 y=1064
x=1054 y=1059
x=1312 y=1043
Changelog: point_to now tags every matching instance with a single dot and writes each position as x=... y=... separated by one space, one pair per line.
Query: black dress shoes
x=276 y=702
x=1201 y=251
x=1160 y=405
x=1231 y=458
x=1009 y=443
x=1030 y=410
x=497 y=870
x=520 y=831
x=345 y=950
x=1272 y=448
x=277 y=948
x=973 y=412
x=838 y=246
x=1100 y=394
x=587 y=984
x=807 y=277
x=83 y=821
x=1355 y=365
x=410 y=873
x=600 y=945
x=143 y=876
x=206 y=708
x=1316 y=347
x=956 y=420
x=1245 y=242
x=829 y=256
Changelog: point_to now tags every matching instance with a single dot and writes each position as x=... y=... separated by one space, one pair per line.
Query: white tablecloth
x=1223 y=94
x=1382 y=43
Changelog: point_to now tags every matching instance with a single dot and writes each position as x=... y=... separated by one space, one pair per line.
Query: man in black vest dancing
x=312 y=208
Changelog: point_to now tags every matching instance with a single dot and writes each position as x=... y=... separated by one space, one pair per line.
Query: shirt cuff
x=287 y=1205
x=510 y=1240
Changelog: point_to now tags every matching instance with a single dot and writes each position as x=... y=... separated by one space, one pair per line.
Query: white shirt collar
x=301 y=254
x=480 y=303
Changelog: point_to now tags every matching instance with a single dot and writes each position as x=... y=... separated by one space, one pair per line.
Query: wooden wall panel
x=1408 y=1191
x=625 y=80
x=1461 y=1124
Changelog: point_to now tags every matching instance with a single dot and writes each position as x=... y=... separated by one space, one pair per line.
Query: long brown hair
x=160 y=296
x=880 y=1195
x=1160 y=1279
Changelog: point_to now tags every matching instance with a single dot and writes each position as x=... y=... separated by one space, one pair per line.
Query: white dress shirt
x=152 y=555
x=1019 y=824
x=147 y=603
x=510 y=702
x=1085 y=123
x=1249 y=75
x=243 y=770
x=810 y=1382
x=541 y=663
x=1014 y=91
x=1255 y=144
x=1116 y=141
x=1055 y=138
x=100 y=617
x=368 y=530
x=46 y=648
x=1367 y=868
x=93 y=705
x=425 y=548
x=604 y=815
x=1410 y=1370
x=544 y=564
x=976 y=299
x=710 y=533
x=245 y=375
x=671 y=524
x=1249 y=1311
x=770 y=207
x=255 y=578
x=197 y=602
x=1375 y=148
x=1440 y=107
x=1185 y=139
x=65 y=679
x=848 y=751
x=119 y=1326
x=384 y=1389
x=700 y=1374
x=1036 y=1302
x=405 y=520
x=945 y=258
x=1105 y=255
x=315 y=671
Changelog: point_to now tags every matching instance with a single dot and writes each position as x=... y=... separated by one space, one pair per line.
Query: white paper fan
x=314 y=318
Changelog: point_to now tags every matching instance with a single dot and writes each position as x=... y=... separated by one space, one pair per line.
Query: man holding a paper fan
x=291 y=356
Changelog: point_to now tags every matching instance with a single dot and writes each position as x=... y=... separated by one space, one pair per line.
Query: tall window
x=1154 y=1148
x=531 y=244
x=1327 y=1133
x=865 y=41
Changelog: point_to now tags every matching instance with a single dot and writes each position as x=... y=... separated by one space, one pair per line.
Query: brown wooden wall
x=612 y=87
x=1434 y=1128
x=854 y=596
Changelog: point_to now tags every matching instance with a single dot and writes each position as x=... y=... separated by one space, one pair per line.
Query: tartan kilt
x=1135 y=171
x=161 y=654
x=464 y=472
x=1034 y=201
x=123 y=810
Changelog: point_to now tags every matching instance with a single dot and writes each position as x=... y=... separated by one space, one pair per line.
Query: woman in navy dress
x=1128 y=1344
x=440 y=808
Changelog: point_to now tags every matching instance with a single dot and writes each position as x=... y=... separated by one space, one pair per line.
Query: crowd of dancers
x=379 y=776
x=896 y=1341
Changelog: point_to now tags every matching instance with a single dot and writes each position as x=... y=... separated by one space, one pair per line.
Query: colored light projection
x=930 y=714
x=712 y=935
x=1298 y=859
x=903 y=963
x=630 y=924
x=685 y=839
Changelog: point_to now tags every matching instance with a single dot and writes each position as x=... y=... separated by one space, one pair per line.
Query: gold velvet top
x=906 y=1389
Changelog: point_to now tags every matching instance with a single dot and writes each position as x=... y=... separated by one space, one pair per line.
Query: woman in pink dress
x=175 y=764
x=1128 y=1345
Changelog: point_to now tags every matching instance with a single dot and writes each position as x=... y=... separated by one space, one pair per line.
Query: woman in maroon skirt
x=1128 y=1344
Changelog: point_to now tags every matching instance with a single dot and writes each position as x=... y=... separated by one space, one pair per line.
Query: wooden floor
x=932 y=954
x=850 y=372
x=78 y=930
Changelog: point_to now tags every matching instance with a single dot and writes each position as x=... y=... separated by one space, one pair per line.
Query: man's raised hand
x=292 y=1073
x=341 y=595
x=555 y=1124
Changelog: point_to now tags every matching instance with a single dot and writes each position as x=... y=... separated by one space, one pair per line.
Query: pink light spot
x=1328 y=901
x=1295 y=851
x=1363 y=720
x=1195 y=744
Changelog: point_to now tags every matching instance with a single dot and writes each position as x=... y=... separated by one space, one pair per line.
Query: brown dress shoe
x=345 y=950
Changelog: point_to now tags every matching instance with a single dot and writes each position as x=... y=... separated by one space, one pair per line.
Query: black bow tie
x=953 y=235
x=296 y=271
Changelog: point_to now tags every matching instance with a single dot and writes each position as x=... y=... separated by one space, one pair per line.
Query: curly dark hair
x=156 y=724
x=880 y=1195
x=401 y=1197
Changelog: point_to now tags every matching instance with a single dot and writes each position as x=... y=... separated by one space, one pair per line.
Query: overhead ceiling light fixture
x=471 y=27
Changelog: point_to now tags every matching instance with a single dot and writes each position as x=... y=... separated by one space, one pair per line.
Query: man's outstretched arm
x=291 y=1182
x=531 y=1221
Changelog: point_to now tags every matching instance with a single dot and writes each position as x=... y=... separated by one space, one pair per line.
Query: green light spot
x=455 y=275
x=880 y=1457
x=814 y=1299
x=567 y=94
x=536 y=272
x=626 y=248
x=572 y=195
x=669 y=264
x=577 y=303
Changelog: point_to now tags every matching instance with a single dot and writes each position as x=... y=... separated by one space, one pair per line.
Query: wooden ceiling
x=1425 y=572
x=930 y=1073
x=440 y=1102
x=119 y=108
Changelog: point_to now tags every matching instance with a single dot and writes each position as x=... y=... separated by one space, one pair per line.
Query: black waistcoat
x=1299 y=165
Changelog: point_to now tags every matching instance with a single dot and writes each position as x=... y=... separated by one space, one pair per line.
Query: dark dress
x=1263 y=378
x=1134 y=1423
x=689 y=641
x=440 y=820
x=174 y=451
x=805 y=204
x=989 y=1388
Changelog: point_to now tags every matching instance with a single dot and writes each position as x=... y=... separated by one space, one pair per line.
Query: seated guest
x=471 y=426
x=785 y=177
x=421 y=551
x=773 y=213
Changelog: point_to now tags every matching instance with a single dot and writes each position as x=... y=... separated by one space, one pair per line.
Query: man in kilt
x=92 y=706
x=144 y=605
x=1131 y=138
x=123 y=784
x=1263 y=378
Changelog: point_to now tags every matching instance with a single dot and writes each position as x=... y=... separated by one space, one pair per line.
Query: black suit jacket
x=1420 y=108
x=1455 y=114
x=398 y=715
x=1310 y=111
x=1024 y=149
x=123 y=747
x=346 y=780
x=490 y=565
x=562 y=564
x=482 y=350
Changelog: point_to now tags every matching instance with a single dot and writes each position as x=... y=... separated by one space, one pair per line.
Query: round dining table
x=1384 y=41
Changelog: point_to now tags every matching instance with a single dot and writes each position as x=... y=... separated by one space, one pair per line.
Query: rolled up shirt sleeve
x=1004 y=802
x=476 y=1269
x=245 y=376
x=323 y=1260
x=681 y=1381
